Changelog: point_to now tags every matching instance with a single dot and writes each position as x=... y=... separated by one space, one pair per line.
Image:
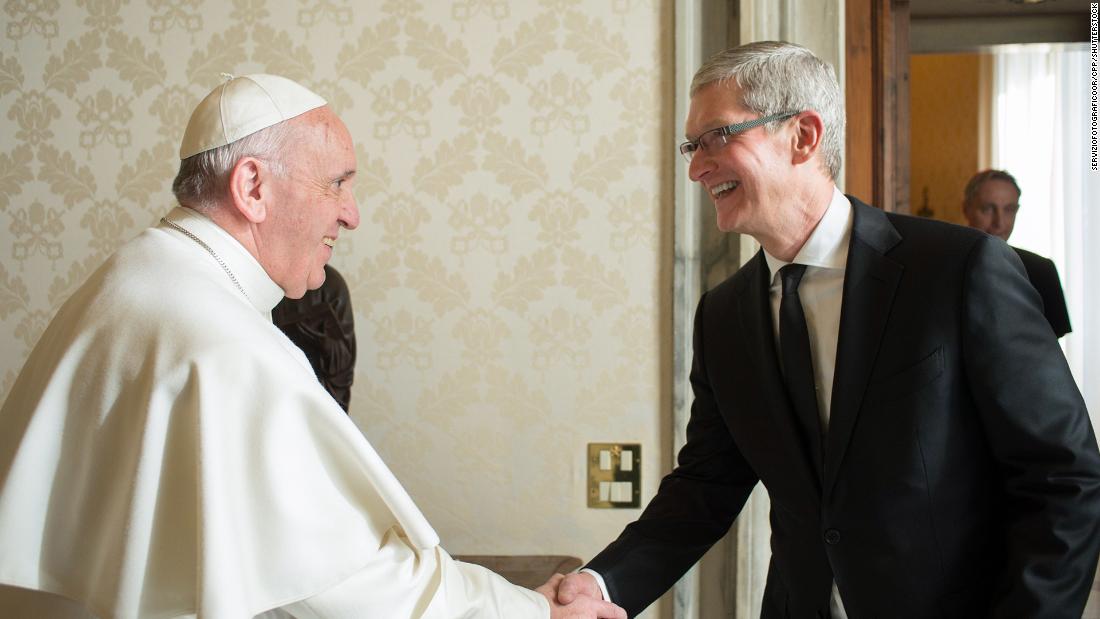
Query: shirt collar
x=262 y=291
x=827 y=246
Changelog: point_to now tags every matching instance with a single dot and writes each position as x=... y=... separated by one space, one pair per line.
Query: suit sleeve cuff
x=600 y=582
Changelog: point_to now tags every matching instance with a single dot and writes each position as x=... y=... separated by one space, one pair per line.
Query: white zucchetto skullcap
x=242 y=106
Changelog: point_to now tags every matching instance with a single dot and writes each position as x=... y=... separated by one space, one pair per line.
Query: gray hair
x=776 y=77
x=975 y=183
x=203 y=179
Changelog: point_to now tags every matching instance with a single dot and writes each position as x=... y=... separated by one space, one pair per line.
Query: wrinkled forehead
x=322 y=136
x=714 y=105
x=327 y=126
x=996 y=191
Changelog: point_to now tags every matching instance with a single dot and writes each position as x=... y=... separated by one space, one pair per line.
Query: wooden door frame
x=876 y=76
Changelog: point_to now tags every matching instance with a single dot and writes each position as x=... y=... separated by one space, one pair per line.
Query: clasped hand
x=577 y=596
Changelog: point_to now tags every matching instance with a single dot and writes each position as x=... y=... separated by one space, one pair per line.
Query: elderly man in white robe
x=167 y=452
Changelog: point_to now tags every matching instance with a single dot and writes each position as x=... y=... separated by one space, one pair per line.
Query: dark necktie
x=798 y=368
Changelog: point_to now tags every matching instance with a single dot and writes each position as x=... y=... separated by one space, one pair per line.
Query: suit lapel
x=870 y=281
x=757 y=332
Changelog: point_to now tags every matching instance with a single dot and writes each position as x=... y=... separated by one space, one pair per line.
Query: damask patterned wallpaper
x=510 y=276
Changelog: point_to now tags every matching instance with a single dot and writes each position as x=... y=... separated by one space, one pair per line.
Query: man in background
x=167 y=452
x=990 y=203
x=889 y=379
x=322 y=324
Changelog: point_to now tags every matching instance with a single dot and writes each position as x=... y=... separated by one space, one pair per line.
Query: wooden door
x=877 y=99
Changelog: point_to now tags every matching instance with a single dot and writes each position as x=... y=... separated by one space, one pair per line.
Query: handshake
x=577 y=596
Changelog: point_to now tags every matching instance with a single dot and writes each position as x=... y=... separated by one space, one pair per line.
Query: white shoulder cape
x=167 y=452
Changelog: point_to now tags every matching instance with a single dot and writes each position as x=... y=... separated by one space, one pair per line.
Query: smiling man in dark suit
x=990 y=203
x=890 y=380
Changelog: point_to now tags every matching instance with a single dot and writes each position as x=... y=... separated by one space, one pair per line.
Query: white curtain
x=1041 y=134
x=1041 y=121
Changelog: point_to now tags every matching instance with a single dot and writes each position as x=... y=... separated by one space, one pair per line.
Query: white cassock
x=167 y=452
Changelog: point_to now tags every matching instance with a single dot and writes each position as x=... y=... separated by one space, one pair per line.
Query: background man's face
x=993 y=208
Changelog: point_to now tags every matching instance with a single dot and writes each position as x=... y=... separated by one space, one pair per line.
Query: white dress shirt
x=821 y=290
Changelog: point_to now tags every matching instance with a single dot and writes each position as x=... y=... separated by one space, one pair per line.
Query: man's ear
x=809 y=130
x=250 y=188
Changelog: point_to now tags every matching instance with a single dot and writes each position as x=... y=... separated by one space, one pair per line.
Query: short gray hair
x=776 y=77
x=203 y=179
x=975 y=183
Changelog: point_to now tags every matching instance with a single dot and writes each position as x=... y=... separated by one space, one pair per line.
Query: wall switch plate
x=614 y=475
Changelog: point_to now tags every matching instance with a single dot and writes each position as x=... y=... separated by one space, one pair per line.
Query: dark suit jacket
x=321 y=323
x=1044 y=276
x=961 y=476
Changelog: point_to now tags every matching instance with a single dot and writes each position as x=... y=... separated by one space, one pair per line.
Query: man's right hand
x=576 y=585
x=582 y=598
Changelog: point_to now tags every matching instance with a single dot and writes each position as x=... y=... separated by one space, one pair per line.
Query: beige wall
x=944 y=126
x=510 y=276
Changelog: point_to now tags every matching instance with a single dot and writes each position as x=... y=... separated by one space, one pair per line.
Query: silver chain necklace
x=190 y=235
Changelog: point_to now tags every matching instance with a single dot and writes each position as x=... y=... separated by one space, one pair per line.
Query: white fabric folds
x=167 y=452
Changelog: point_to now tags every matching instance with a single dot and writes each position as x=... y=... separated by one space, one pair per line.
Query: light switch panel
x=614 y=475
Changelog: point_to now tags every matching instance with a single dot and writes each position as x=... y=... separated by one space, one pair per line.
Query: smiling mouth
x=722 y=189
x=328 y=240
